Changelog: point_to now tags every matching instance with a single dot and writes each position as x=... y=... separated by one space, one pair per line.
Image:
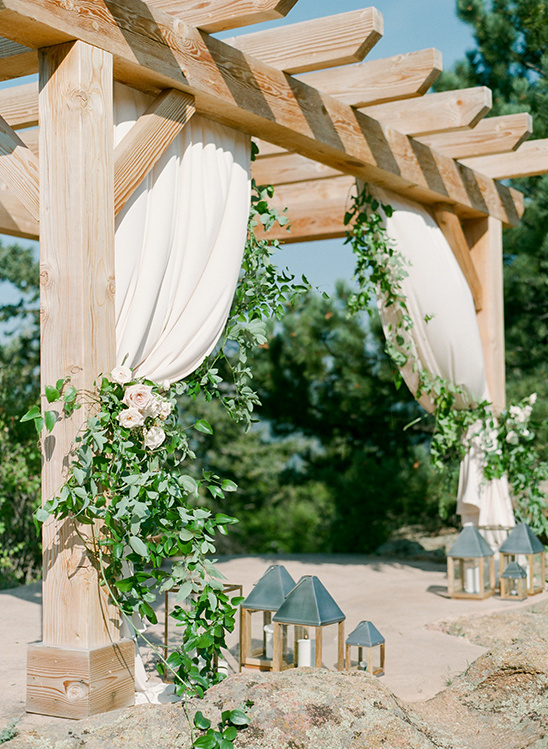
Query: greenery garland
x=506 y=441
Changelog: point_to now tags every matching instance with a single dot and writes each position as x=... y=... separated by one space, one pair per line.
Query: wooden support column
x=82 y=667
x=484 y=238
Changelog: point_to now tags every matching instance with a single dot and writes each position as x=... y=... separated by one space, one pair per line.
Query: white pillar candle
x=268 y=641
x=307 y=652
x=471 y=579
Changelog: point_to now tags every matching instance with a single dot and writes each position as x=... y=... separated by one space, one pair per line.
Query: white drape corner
x=447 y=345
x=179 y=244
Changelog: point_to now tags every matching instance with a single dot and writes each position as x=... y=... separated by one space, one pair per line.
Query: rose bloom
x=131 y=417
x=154 y=437
x=165 y=410
x=153 y=408
x=138 y=396
x=121 y=375
x=165 y=385
x=512 y=438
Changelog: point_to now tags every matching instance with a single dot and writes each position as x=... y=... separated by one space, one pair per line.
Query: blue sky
x=409 y=25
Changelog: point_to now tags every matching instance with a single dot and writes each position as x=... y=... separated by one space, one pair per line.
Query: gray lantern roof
x=470 y=544
x=513 y=571
x=365 y=635
x=270 y=591
x=521 y=540
x=309 y=604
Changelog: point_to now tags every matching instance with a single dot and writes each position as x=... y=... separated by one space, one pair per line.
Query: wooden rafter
x=15 y=220
x=491 y=135
x=433 y=113
x=154 y=50
x=19 y=105
x=530 y=159
x=16 y=60
x=314 y=45
x=289 y=167
x=19 y=169
x=220 y=15
x=379 y=81
x=147 y=140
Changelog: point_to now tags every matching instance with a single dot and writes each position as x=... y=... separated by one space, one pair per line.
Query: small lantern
x=366 y=635
x=524 y=547
x=267 y=596
x=470 y=566
x=307 y=605
x=513 y=582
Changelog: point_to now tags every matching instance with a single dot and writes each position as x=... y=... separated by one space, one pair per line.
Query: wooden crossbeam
x=15 y=220
x=379 y=81
x=16 y=60
x=147 y=140
x=529 y=160
x=19 y=168
x=30 y=138
x=289 y=167
x=219 y=15
x=314 y=45
x=19 y=105
x=435 y=112
x=152 y=50
x=491 y=135
x=449 y=223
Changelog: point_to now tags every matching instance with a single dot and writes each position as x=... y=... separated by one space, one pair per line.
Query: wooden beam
x=16 y=60
x=80 y=626
x=379 y=81
x=147 y=140
x=314 y=45
x=484 y=237
x=451 y=227
x=19 y=105
x=529 y=160
x=435 y=112
x=491 y=135
x=30 y=138
x=153 y=51
x=15 y=220
x=19 y=168
x=220 y=15
x=289 y=167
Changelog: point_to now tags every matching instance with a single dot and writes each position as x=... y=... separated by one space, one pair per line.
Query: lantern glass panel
x=538 y=581
x=486 y=573
x=471 y=576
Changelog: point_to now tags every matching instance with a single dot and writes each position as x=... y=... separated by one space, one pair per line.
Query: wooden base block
x=68 y=683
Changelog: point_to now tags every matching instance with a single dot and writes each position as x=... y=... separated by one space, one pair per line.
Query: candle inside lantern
x=472 y=579
x=268 y=641
x=307 y=652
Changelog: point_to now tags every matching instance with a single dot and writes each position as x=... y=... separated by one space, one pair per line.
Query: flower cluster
x=143 y=407
x=518 y=419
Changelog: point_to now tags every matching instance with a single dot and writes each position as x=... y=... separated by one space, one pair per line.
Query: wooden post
x=340 y=642
x=82 y=667
x=484 y=238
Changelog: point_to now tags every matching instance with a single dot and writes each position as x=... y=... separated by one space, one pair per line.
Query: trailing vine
x=506 y=441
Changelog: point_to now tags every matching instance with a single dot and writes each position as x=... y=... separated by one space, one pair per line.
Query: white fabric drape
x=446 y=339
x=179 y=245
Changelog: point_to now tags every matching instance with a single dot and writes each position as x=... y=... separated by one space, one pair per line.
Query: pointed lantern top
x=522 y=540
x=309 y=604
x=270 y=590
x=470 y=544
x=365 y=635
x=514 y=571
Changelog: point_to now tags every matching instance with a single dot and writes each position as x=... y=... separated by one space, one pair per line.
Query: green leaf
x=229 y=486
x=201 y=722
x=52 y=394
x=124 y=585
x=203 y=426
x=138 y=546
x=239 y=718
x=32 y=413
x=184 y=591
x=41 y=515
x=206 y=742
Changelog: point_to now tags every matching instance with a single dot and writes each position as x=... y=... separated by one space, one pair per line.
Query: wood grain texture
x=76 y=308
x=19 y=169
x=379 y=81
x=491 y=135
x=155 y=51
x=529 y=160
x=79 y=683
x=289 y=167
x=15 y=220
x=484 y=237
x=31 y=139
x=220 y=15
x=450 y=225
x=147 y=140
x=314 y=45
x=434 y=113
x=19 y=105
x=16 y=60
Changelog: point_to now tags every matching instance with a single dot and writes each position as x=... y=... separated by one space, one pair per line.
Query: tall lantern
x=308 y=605
x=266 y=597
x=470 y=566
x=524 y=547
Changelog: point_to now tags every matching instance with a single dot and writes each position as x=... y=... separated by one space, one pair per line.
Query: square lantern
x=513 y=582
x=367 y=636
x=266 y=597
x=308 y=605
x=470 y=566
x=523 y=547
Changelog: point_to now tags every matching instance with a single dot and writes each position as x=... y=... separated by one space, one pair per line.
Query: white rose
x=533 y=399
x=512 y=438
x=131 y=418
x=138 y=396
x=121 y=375
x=165 y=385
x=153 y=407
x=165 y=410
x=154 y=437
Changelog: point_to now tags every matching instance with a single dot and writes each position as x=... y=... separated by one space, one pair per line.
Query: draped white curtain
x=447 y=343
x=179 y=245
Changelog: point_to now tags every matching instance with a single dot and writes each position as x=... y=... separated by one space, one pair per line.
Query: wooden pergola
x=323 y=118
